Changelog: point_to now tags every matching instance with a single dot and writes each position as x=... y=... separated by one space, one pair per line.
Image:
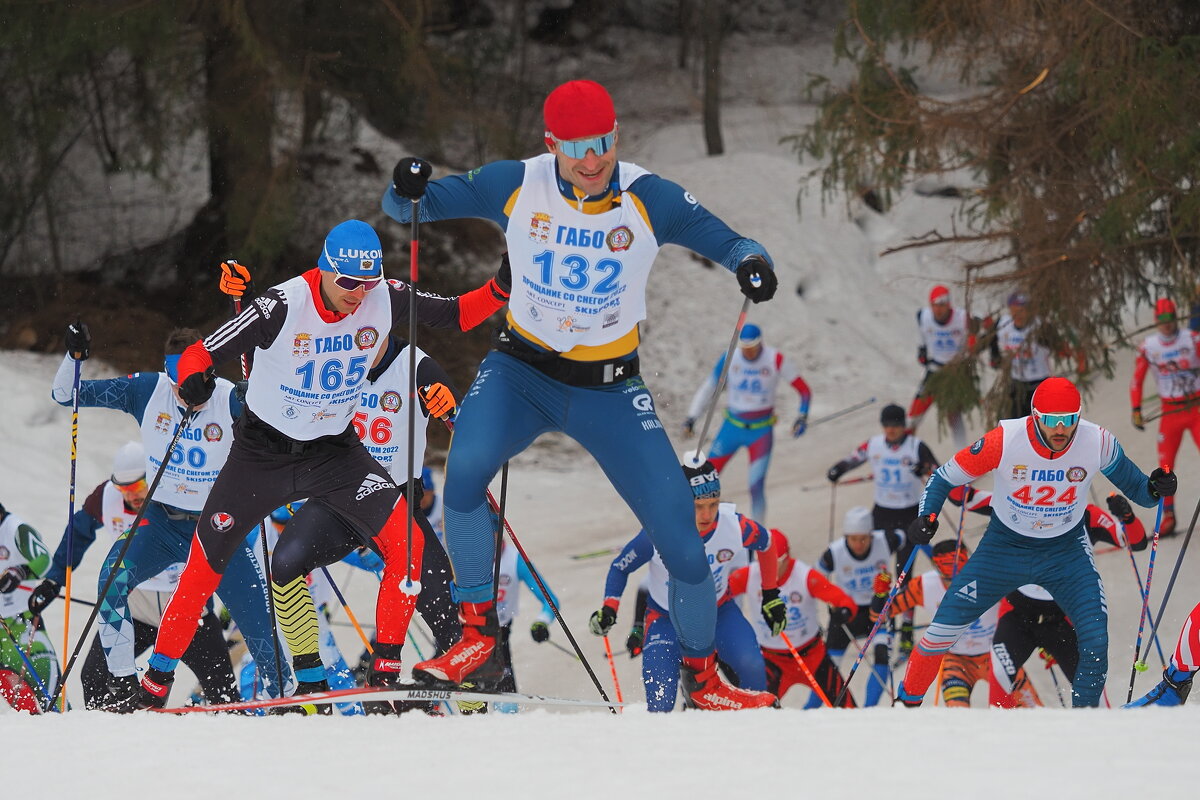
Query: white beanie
x=129 y=464
x=858 y=520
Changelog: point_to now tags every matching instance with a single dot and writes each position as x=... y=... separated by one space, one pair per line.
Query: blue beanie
x=352 y=249
x=750 y=336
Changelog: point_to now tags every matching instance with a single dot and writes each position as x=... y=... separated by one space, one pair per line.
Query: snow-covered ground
x=853 y=334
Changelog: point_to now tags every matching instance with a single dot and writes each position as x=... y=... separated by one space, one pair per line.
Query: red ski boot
x=474 y=656
x=704 y=689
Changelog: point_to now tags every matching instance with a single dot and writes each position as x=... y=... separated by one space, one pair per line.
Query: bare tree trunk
x=712 y=21
x=686 y=28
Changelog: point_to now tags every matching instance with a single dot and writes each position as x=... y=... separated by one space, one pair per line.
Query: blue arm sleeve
x=678 y=219
x=754 y=535
x=720 y=365
x=937 y=488
x=130 y=393
x=632 y=556
x=81 y=532
x=525 y=576
x=482 y=193
x=1132 y=482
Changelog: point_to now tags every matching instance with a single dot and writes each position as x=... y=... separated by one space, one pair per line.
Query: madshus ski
x=373 y=693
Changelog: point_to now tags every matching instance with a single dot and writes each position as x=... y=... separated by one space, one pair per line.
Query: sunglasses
x=137 y=487
x=1054 y=420
x=578 y=148
x=350 y=284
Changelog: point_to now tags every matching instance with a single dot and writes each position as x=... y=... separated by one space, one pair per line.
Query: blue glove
x=800 y=425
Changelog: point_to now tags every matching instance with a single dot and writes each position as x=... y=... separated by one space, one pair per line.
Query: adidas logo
x=371 y=484
x=968 y=591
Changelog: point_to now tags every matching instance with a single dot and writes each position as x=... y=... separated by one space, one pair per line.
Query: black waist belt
x=260 y=435
x=177 y=514
x=564 y=370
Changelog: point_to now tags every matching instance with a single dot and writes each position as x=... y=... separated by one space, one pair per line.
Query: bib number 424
x=1044 y=495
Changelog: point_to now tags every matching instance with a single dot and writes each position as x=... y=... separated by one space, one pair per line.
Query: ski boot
x=703 y=688
x=384 y=672
x=907 y=700
x=1167 y=527
x=474 y=657
x=127 y=695
x=1172 y=690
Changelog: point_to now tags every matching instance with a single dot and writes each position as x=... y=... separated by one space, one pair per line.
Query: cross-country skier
x=723 y=532
x=755 y=372
x=900 y=462
x=1176 y=684
x=28 y=666
x=851 y=564
x=314 y=339
x=800 y=586
x=1027 y=345
x=1043 y=465
x=112 y=508
x=946 y=334
x=152 y=398
x=582 y=231
x=1174 y=354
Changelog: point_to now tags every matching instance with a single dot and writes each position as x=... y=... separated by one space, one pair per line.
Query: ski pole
x=262 y=532
x=1138 y=664
x=414 y=240
x=807 y=672
x=882 y=616
x=612 y=665
x=712 y=404
x=349 y=614
x=112 y=573
x=71 y=514
x=78 y=600
x=863 y=651
x=843 y=412
x=1061 y=700
x=832 y=508
x=1137 y=576
x=1162 y=609
x=29 y=667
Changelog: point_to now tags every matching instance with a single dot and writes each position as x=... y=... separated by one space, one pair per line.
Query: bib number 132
x=580 y=273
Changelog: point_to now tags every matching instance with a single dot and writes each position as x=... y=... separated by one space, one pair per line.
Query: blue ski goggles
x=578 y=148
x=1054 y=420
x=171 y=365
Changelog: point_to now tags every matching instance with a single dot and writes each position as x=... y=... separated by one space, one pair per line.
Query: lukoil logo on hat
x=353 y=249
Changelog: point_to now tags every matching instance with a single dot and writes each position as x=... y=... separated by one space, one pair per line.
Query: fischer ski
x=607 y=551
x=377 y=693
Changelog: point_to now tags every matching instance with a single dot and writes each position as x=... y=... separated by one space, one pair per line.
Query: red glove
x=882 y=585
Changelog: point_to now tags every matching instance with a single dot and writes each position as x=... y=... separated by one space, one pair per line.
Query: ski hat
x=1018 y=299
x=352 y=249
x=892 y=414
x=129 y=464
x=939 y=294
x=702 y=476
x=779 y=543
x=750 y=336
x=1164 y=310
x=578 y=109
x=1056 y=396
x=943 y=556
x=858 y=520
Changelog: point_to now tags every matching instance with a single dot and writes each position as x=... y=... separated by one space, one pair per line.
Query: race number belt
x=750 y=425
x=564 y=370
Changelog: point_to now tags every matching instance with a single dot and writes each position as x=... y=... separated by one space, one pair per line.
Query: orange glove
x=235 y=278
x=439 y=400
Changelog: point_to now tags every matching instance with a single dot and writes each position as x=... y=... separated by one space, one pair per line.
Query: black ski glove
x=602 y=621
x=540 y=632
x=756 y=278
x=774 y=611
x=79 y=341
x=198 y=387
x=1162 y=483
x=635 y=640
x=11 y=578
x=1119 y=507
x=43 y=595
x=922 y=529
x=410 y=177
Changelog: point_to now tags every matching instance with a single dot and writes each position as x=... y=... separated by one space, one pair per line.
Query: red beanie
x=939 y=292
x=779 y=543
x=579 y=109
x=1165 y=307
x=1057 y=396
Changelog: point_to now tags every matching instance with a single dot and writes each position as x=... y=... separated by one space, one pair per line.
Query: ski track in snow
x=854 y=336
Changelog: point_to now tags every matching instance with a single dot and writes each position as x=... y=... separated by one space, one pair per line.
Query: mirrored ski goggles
x=578 y=148
x=350 y=284
x=1054 y=420
x=137 y=487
